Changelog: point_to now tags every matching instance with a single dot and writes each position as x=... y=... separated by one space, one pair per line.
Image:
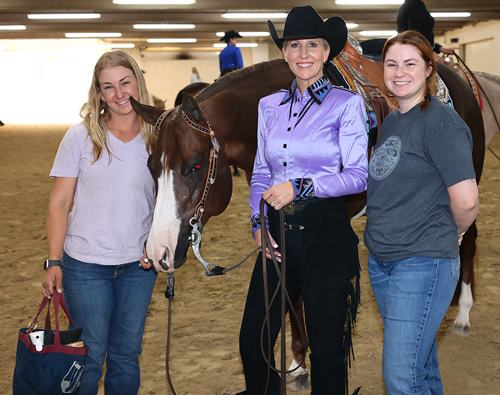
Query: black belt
x=292 y=207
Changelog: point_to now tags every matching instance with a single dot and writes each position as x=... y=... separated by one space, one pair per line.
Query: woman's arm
x=61 y=199
x=239 y=58
x=464 y=203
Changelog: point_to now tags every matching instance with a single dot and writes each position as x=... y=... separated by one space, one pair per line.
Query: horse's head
x=180 y=166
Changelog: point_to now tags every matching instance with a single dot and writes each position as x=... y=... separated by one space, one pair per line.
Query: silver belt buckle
x=289 y=209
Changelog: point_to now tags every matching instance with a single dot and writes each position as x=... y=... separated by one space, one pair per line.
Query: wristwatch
x=51 y=262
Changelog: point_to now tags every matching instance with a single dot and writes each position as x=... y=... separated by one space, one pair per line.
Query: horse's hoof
x=462 y=330
x=297 y=383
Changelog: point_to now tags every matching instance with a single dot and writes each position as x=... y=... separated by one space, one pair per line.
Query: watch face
x=45 y=264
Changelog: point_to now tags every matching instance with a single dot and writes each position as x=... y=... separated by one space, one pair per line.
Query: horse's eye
x=197 y=167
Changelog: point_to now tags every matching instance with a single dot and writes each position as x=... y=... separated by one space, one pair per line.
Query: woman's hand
x=53 y=277
x=279 y=195
x=258 y=240
x=448 y=50
x=145 y=262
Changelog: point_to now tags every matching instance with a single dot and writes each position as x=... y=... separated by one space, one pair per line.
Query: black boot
x=236 y=173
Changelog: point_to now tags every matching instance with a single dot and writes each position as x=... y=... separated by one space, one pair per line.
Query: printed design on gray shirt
x=385 y=158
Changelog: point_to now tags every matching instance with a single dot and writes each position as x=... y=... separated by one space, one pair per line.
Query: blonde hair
x=95 y=113
x=196 y=71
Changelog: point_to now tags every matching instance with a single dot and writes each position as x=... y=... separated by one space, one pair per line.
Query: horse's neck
x=232 y=107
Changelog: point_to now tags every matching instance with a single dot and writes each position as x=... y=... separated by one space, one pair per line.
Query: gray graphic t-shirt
x=420 y=155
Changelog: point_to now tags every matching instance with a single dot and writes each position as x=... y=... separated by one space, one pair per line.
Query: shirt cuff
x=255 y=222
x=304 y=188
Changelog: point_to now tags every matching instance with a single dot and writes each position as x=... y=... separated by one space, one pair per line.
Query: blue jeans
x=413 y=296
x=110 y=303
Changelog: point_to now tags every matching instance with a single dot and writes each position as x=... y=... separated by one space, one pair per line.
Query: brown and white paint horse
x=228 y=109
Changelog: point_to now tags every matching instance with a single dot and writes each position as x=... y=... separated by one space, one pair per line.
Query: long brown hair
x=412 y=37
x=95 y=112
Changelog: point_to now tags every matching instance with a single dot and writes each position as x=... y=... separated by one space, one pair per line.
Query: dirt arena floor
x=207 y=311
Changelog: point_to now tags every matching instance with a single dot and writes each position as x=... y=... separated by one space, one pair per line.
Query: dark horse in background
x=181 y=160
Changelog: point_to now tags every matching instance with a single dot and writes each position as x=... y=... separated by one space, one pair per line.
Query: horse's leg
x=299 y=379
x=465 y=288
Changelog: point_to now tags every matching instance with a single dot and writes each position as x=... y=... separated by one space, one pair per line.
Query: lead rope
x=169 y=294
x=266 y=242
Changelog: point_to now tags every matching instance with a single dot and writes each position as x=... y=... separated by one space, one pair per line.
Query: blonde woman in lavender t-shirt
x=100 y=213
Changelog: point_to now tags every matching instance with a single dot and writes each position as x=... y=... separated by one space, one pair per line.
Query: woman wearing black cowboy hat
x=230 y=57
x=312 y=150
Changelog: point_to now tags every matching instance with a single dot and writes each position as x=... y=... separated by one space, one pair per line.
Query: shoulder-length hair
x=95 y=112
x=412 y=37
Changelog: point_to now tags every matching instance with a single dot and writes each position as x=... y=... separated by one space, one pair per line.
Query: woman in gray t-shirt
x=422 y=197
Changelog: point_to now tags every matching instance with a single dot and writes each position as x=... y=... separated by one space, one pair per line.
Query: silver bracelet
x=461 y=234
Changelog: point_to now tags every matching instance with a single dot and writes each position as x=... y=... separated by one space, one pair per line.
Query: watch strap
x=51 y=262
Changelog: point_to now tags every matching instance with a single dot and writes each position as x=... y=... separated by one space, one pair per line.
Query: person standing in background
x=100 y=214
x=195 y=76
x=413 y=15
x=230 y=57
x=229 y=60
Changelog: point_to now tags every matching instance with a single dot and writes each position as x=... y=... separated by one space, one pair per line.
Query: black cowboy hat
x=305 y=22
x=229 y=35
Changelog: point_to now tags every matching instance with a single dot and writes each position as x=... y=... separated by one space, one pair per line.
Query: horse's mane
x=489 y=76
x=221 y=83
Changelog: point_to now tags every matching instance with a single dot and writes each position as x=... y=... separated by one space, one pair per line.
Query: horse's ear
x=190 y=107
x=149 y=113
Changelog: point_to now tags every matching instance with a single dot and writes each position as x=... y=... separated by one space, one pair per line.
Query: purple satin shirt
x=314 y=136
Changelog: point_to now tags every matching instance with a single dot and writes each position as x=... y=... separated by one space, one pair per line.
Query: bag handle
x=58 y=301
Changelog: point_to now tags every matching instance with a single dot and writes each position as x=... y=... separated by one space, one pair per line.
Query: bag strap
x=32 y=325
x=58 y=301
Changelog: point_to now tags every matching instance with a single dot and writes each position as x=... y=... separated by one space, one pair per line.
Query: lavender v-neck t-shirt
x=114 y=199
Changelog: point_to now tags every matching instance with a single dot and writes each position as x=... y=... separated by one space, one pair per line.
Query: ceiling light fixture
x=352 y=25
x=450 y=14
x=246 y=34
x=368 y=2
x=78 y=40
x=164 y=26
x=261 y=15
x=241 y=45
x=12 y=27
x=154 y=2
x=378 y=33
x=85 y=35
x=171 y=40
x=35 y=41
x=115 y=45
x=64 y=16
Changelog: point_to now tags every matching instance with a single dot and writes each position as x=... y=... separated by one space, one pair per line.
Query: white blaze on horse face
x=166 y=224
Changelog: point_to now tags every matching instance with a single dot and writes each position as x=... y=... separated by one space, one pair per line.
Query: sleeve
x=261 y=176
x=67 y=161
x=239 y=59
x=353 y=142
x=437 y=47
x=220 y=64
x=449 y=146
